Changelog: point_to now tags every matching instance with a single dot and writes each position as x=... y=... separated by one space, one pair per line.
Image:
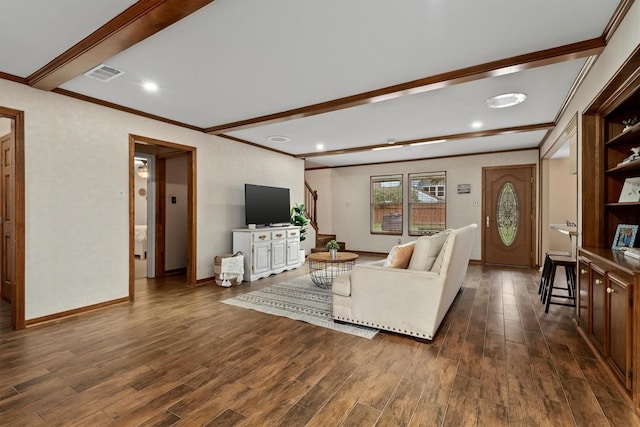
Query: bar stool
x=569 y=264
x=546 y=269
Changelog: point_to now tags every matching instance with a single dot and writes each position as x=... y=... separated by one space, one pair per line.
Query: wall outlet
x=399 y=241
x=476 y=203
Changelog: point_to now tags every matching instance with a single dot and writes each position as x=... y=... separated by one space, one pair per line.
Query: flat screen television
x=265 y=205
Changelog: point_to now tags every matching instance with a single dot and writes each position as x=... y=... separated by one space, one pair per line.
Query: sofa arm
x=405 y=301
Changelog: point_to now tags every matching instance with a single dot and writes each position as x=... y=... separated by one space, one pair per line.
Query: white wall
x=77 y=161
x=619 y=48
x=348 y=189
x=176 y=220
x=561 y=203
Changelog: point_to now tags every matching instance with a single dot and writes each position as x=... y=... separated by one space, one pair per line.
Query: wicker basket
x=217 y=266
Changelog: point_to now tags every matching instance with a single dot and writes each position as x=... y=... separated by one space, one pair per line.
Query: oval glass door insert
x=508 y=213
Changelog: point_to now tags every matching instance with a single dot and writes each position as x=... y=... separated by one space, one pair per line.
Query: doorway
x=144 y=214
x=158 y=154
x=509 y=215
x=12 y=214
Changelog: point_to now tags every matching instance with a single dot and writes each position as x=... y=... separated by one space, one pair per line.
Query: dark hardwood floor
x=178 y=356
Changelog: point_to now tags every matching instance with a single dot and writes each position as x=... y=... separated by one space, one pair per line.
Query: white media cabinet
x=269 y=250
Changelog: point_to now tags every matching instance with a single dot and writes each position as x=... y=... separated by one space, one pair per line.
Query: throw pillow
x=400 y=255
x=426 y=251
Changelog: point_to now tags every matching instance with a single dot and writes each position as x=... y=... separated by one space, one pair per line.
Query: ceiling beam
x=144 y=19
x=467 y=135
x=477 y=72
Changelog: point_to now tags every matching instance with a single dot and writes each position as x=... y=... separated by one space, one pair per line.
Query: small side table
x=324 y=269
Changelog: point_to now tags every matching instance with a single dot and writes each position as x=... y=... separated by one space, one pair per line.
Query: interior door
x=7 y=211
x=508 y=215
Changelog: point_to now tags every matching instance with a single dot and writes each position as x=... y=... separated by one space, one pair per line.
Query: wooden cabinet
x=598 y=304
x=620 y=333
x=608 y=317
x=268 y=251
x=583 y=293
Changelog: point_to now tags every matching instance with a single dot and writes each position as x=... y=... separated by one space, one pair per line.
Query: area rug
x=298 y=299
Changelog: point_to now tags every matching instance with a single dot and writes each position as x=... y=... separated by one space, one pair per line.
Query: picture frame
x=630 y=190
x=625 y=236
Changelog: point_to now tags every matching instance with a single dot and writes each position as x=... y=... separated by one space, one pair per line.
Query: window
x=427 y=203
x=386 y=204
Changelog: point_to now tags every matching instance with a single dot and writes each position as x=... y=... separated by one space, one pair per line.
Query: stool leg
x=544 y=280
x=549 y=288
x=545 y=267
x=572 y=274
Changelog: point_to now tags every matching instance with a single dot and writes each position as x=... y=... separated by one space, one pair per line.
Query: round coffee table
x=324 y=269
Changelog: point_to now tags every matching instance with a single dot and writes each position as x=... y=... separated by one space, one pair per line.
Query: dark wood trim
x=205 y=280
x=18 y=297
x=464 y=75
x=161 y=215
x=20 y=221
x=143 y=19
x=616 y=19
x=75 y=312
x=427 y=158
x=192 y=224
x=125 y=109
x=467 y=135
x=13 y=78
x=132 y=190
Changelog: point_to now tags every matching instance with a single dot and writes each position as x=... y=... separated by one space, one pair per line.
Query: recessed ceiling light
x=278 y=138
x=150 y=86
x=476 y=125
x=505 y=100
x=320 y=147
x=391 y=141
x=386 y=148
x=436 y=141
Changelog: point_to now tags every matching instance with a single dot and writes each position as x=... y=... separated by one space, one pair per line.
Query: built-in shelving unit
x=608 y=312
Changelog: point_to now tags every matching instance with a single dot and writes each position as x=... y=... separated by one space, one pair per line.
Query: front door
x=7 y=210
x=508 y=215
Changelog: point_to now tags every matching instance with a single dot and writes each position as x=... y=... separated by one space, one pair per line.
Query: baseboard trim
x=205 y=280
x=75 y=312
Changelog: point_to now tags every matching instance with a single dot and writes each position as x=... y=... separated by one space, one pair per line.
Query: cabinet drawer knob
x=583 y=271
x=610 y=290
x=598 y=282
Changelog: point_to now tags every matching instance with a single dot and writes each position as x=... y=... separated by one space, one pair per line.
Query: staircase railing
x=310 y=204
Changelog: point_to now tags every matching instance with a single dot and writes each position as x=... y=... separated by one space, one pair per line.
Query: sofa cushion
x=400 y=255
x=426 y=251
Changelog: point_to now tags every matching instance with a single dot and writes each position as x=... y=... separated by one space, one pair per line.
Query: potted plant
x=333 y=248
x=298 y=218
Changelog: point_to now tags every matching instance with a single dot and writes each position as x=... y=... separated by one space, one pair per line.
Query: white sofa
x=407 y=301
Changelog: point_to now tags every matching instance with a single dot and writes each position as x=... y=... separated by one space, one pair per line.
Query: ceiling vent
x=104 y=73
